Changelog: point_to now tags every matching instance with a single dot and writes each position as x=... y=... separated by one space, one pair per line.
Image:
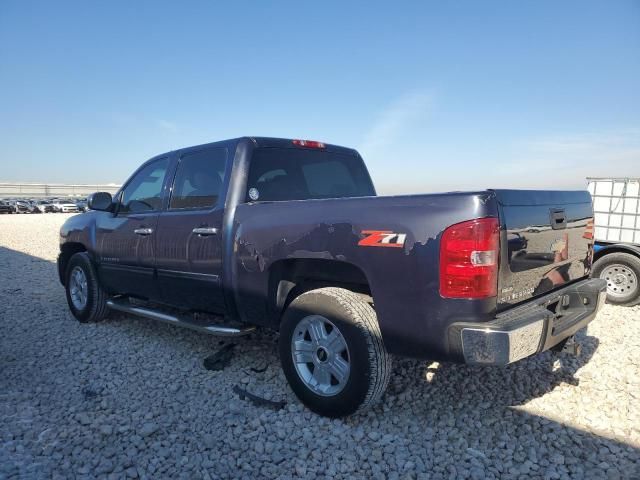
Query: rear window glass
x=298 y=174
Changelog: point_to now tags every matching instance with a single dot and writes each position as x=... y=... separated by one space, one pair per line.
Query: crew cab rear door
x=546 y=242
x=188 y=241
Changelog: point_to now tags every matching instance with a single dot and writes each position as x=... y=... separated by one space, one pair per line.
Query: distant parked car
x=54 y=204
x=33 y=206
x=44 y=206
x=82 y=205
x=7 y=208
x=22 y=207
x=65 y=206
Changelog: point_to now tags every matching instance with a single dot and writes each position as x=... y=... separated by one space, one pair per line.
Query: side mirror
x=101 y=201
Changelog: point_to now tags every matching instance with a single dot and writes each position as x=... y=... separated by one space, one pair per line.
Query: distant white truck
x=616 y=232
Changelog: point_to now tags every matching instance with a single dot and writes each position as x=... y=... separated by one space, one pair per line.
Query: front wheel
x=622 y=272
x=332 y=352
x=86 y=298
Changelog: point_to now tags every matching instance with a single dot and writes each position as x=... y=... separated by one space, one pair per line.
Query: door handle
x=143 y=231
x=205 y=231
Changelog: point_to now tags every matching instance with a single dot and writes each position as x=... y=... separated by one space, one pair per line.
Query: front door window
x=144 y=191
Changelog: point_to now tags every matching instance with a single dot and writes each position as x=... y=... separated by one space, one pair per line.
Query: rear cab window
x=278 y=174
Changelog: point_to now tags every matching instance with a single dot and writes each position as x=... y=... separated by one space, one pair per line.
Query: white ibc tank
x=616 y=206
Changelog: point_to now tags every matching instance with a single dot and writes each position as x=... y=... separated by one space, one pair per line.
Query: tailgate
x=546 y=242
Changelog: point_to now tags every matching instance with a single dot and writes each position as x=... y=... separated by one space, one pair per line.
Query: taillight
x=308 y=143
x=469 y=259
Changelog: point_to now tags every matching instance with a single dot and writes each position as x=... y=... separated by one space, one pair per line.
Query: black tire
x=95 y=308
x=629 y=271
x=356 y=321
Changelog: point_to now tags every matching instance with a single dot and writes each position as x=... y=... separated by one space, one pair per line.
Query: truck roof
x=263 y=142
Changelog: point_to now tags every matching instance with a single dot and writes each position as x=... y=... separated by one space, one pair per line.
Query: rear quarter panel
x=403 y=281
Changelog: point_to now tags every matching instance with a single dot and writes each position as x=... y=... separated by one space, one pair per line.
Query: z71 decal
x=382 y=238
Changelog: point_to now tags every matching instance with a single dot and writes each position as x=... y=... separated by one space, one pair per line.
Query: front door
x=189 y=243
x=125 y=241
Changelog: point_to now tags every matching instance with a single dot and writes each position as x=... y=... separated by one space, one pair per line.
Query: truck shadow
x=520 y=382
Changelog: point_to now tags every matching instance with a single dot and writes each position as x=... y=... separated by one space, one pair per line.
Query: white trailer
x=616 y=231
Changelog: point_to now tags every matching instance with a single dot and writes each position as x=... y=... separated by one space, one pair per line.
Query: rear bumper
x=530 y=328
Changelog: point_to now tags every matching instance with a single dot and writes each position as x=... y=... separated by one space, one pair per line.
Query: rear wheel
x=332 y=352
x=86 y=298
x=622 y=272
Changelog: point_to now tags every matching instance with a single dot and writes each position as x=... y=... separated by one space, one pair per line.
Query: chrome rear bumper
x=533 y=327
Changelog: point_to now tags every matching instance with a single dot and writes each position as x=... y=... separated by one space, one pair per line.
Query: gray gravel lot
x=130 y=398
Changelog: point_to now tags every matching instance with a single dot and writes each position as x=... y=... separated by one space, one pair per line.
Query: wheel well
x=290 y=278
x=67 y=250
x=616 y=249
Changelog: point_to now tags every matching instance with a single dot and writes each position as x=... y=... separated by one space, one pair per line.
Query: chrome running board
x=123 y=305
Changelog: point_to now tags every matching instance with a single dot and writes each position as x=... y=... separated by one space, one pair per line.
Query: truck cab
x=168 y=233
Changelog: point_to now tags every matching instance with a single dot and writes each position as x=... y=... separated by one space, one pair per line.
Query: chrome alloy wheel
x=78 y=288
x=621 y=280
x=320 y=355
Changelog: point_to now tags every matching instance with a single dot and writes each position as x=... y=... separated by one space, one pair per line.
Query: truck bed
x=404 y=281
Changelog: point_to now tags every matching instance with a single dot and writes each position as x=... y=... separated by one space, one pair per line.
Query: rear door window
x=199 y=179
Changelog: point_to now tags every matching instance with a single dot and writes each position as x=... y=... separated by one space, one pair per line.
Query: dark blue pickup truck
x=290 y=235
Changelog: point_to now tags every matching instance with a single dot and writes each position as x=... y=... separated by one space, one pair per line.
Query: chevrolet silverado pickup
x=290 y=235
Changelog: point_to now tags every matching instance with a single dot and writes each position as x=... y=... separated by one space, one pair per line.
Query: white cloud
x=577 y=156
x=581 y=142
x=558 y=161
x=393 y=121
x=167 y=125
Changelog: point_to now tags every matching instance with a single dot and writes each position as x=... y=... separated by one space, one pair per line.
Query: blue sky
x=436 y=95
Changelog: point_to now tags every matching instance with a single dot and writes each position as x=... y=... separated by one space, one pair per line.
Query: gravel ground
x=130 y=398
